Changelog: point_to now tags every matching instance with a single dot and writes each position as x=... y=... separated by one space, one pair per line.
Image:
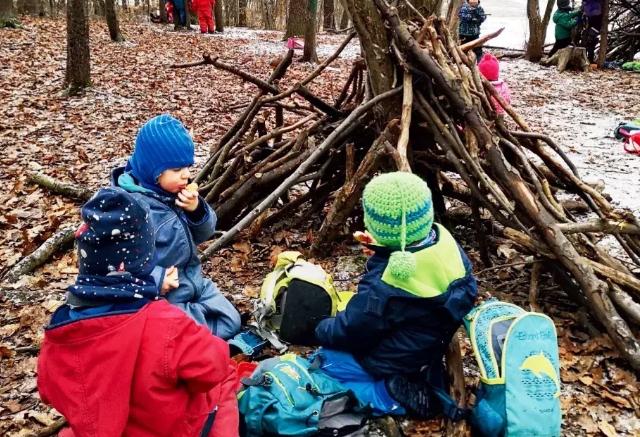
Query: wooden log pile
x=624 y=36
x=291 y=151
x=438 y=122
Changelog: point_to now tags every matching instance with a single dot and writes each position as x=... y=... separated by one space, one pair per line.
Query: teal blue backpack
x=289 y=396
x=517 y=353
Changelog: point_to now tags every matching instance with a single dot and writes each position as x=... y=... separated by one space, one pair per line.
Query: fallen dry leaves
x=81 y=139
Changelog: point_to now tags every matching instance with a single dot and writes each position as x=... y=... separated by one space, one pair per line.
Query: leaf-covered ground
x=80 y=139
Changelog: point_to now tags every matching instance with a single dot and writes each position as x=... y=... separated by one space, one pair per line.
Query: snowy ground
x=512 y=15
x=580 y=111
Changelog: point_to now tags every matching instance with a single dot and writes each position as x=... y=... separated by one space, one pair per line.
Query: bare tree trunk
x=344 y=20
x=328 y=14
x=296 y=18
x=281 y=14
x=231 y=12
x=242 y=13
x=452 y=16
x=78 y=75
x=219 y=16
x=310 y=54
x=7 y=14
x=375 y=43
x=28 y=7
x=112 y=21
x=187 y=14
x=604 y=34
x=537 y=29
x=268 y=19
x=163 y=11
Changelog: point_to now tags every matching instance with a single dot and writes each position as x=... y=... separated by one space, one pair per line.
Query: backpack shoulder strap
x=449 y=406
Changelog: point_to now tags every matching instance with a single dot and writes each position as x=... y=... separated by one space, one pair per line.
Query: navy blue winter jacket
x=177 y=237
x=392 y=331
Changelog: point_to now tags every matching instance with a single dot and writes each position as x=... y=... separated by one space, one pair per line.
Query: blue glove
x=248 y=343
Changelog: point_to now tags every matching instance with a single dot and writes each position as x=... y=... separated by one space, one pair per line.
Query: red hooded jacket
x=149 y=372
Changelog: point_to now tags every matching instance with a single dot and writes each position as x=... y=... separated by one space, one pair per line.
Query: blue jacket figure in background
x=471 y=17
x=180 y=14
x=157 y=175
x=388 y=344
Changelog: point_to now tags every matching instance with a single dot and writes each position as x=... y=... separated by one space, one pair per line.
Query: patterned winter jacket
x=470 y=20
x=399 y=327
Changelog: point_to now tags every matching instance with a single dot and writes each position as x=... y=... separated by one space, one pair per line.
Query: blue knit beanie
x=116 y=235
x=162 y=143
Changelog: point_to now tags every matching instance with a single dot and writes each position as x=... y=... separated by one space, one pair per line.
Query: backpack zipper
x=282 y=387
x=306 y=372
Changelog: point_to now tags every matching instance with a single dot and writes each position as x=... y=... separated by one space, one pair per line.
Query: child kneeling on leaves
x=388 y=344
x=157 y=175
x=117 y=360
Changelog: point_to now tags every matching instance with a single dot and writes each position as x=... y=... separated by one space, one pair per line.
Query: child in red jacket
x=204 y=8
x=118 y=360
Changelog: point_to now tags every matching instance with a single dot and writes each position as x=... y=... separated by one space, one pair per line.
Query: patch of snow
x=512 y=15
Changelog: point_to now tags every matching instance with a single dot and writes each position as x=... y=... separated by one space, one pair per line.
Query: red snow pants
x=205 y=16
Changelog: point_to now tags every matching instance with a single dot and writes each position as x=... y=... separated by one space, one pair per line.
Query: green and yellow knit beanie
x=398 y=211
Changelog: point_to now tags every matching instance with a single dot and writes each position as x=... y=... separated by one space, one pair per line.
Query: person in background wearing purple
x=592 y=10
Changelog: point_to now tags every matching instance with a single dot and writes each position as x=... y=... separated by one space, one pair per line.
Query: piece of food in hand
x=364 y=237
x=193 y=187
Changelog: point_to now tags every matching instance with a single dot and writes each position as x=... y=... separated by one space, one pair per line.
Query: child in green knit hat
x=388 y=344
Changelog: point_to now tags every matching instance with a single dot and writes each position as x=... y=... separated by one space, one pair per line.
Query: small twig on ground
x=53 y=428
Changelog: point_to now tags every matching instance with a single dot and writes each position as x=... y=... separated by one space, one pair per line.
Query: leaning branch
x=344 y=128
x=56 y=242
x=480 y=41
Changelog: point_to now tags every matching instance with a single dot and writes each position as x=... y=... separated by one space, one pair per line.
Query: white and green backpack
x=294 y=297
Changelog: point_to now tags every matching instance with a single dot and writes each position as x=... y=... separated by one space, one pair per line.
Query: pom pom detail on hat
x=489 y=67
x=402 y=265
x=162 y=143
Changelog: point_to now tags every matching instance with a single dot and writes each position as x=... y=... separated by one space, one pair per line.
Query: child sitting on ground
x=115 y=359
x=490 y=68
x=388 y=344
x=157 y=175
x=471 y=17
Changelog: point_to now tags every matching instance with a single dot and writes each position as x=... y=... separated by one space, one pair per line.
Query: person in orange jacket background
x=204 y=9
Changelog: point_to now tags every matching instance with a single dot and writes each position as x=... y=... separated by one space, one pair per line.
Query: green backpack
x=294 y=297
x=289 y=396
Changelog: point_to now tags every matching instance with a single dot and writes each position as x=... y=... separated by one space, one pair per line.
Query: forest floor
x=79 y=139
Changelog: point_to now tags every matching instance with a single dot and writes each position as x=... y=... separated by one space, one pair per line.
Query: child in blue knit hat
x=158 y=174
x=387 y=346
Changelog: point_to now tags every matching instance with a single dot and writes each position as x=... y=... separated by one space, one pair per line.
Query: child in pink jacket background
x=490 y=68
